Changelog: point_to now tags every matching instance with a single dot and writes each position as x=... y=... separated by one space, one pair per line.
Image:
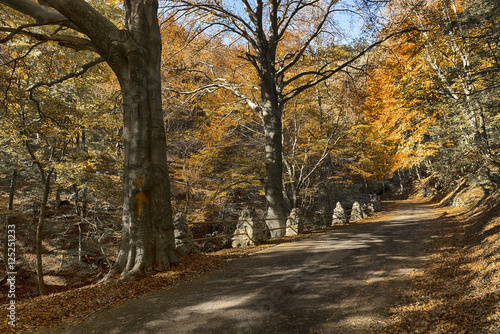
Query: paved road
x=340 y=281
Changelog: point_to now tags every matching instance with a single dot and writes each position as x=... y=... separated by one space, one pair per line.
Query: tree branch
x=238 y=25
x=18 y=30
x=225 y=84
x=76 y=74
x=75 y=43
x=76 y=14
x=97 y=27
x=42 y=14
x=306 y=44
x=325 y=75
x=23 y=56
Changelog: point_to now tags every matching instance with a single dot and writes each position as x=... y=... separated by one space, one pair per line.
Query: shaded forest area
x=416 y=96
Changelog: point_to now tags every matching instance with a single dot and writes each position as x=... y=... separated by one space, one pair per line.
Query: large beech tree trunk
x=148 y=232
x=273 y=188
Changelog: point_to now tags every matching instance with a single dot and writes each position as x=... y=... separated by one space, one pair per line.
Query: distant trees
x=452 y=51
x=214 y=136
x=435 y=92
x=317 y=131
x=218 y=154
x=399 y=112
x=277 y=39
x=66 y=132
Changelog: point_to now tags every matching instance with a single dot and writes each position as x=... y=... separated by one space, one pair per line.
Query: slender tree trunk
x=58 y=193
x=84 y=199
x=295 y=203
x=77 y=201
x=365 y=182
x=84 y=202
x=401 y=181
x=39 y=236
x=80 y=240
x=148 y=232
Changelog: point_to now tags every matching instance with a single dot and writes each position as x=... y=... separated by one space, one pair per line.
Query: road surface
x=339 y=281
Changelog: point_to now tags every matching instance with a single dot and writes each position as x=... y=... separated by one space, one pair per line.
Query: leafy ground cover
x=458 y=291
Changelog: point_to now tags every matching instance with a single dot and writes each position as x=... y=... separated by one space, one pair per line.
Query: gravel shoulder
x=341 y=281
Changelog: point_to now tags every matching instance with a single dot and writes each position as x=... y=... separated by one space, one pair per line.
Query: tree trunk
x=148 y=232
x=401 y=181
x=80 y=241
x=481 y=139
x=39 y=236
x=271 y=115
x=58 y=193
x=84 y=210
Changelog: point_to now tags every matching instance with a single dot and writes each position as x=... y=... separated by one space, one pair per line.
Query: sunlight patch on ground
x=54 y=280
x=217 y=305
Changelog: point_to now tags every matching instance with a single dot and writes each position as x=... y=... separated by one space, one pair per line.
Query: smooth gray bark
x=271 y=114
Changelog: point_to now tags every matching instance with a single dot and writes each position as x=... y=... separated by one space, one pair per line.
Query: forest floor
x=415 y=268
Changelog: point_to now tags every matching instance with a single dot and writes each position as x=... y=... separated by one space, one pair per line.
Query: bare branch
x=76 y=14
x=76 y=74
x=325 y=75
x=225 y=84
x=287 y=20
x=237 y=24
x=34 y=46
x=75 y=43
x=306 y=44
x=19 y=30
